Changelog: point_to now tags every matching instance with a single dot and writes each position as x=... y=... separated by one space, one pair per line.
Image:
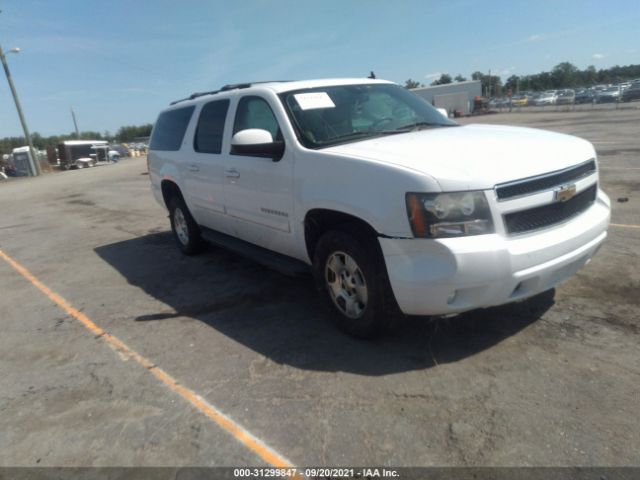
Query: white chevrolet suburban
x=389 y=203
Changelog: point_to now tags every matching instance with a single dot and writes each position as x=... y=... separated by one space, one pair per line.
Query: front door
x=259 y=191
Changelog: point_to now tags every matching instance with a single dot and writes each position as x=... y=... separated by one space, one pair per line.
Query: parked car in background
x=519 y=100
x=608 y=95
x=501 y=102
x=533 y=96
x=631 y=93
x=121 y=149
x=546 y=98
x=566 y=97
x=584 y=96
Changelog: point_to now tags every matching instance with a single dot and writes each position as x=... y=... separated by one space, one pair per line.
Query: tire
x=184 y=228
x=351 y=277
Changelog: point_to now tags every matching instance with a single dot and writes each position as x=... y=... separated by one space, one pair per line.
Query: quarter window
x=255 y=112
x=208 y=138
x=169 y=129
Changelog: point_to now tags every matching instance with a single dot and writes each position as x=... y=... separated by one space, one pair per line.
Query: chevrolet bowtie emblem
x=564 y=193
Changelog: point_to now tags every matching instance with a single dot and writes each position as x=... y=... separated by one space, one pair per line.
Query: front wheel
x=351 y=277
x=184 y=228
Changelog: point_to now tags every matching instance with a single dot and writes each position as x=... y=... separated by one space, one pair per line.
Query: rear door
x=203 y=170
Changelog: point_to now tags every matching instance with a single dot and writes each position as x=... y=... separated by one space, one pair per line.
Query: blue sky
x=119 y=62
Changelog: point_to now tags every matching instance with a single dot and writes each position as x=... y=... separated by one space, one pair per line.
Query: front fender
x=369 y=190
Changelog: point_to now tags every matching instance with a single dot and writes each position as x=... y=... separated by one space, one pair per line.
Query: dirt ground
x=549 y=382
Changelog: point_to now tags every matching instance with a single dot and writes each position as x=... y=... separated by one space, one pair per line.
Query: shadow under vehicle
x=283 y=319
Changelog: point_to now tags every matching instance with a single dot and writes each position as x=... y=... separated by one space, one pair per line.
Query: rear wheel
x=351 y=278
x=184 y=228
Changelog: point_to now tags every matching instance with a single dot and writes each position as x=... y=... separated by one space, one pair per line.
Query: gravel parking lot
x=548 y=382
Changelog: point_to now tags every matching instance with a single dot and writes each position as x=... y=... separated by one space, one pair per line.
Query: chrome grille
x=527 y=186
x=551 y=214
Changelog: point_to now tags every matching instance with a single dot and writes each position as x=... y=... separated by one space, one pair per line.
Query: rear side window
x=169 y=129
x=208 y=137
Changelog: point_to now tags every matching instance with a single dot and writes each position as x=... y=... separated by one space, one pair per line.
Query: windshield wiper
x=412 y=127
x=353 y=135
x=377 y=133
x=367 y=133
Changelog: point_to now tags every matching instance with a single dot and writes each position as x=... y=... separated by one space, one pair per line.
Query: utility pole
x=36 y=162
x=75 y=123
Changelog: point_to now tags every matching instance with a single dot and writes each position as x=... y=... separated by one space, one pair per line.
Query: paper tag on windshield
x=309 y=101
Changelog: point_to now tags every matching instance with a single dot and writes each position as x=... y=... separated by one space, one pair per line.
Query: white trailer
x=453 y=97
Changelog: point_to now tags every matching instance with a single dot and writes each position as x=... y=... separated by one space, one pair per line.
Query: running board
x=276 y=261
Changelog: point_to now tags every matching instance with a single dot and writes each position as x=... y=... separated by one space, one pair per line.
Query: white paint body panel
x=484 y=270
x=260 y=201
x=475 y=157
x=267 y=203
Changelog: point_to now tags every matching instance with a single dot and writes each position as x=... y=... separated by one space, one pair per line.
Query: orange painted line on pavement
x=252 y=443
x=620 y=225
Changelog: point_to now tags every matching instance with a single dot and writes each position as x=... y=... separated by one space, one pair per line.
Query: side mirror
x=443 y=112
x=256 y=142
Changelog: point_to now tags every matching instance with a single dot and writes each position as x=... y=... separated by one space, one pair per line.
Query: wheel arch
x=169 y=188
x=318 y=221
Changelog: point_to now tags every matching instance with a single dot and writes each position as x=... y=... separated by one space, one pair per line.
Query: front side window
x=331 y=115
x=255 y=112
x=208 y=138
x=169 y=129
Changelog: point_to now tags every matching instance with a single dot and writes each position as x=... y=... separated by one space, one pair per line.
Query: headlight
x=438 y=215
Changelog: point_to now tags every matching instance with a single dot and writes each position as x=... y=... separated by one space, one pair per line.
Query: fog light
x=452 y=297
x=517 y=289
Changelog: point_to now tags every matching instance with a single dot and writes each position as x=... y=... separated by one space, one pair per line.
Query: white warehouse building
x=452 y=96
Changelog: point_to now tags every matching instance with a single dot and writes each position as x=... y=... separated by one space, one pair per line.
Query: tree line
x=563 y=75
x=124 y=134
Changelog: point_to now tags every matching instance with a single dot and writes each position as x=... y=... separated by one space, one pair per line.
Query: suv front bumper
x=452 y=275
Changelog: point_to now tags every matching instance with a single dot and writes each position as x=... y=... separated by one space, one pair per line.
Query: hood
x=474 y=156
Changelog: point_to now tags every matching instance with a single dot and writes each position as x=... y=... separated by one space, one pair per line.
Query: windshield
x=348 y=113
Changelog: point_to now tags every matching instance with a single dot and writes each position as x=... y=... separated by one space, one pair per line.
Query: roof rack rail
x=195 y=95
x=235 y=86
x=226 y=88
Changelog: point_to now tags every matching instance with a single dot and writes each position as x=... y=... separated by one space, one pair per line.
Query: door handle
x=232 y=173
x=193 y=168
